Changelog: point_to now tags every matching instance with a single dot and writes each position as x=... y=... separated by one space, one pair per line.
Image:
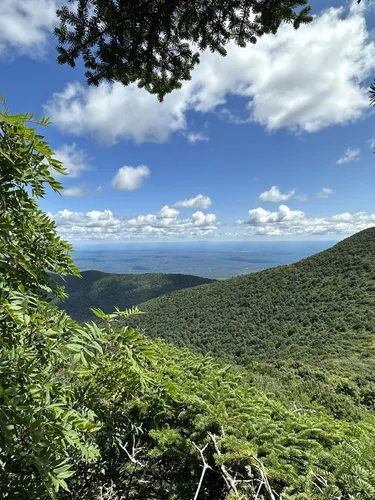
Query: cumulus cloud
x=113 y=112
x=105 y=225
x=199 y=201
x=168 y=213
x=275 y=196
x=259 y=216
x=350 y=155
x=201 y=219
x=130 y=178
x=286 y=222
x=194 y=137
x=324 y=193
x=288 y=80
x=73 y=159
x=25 y=26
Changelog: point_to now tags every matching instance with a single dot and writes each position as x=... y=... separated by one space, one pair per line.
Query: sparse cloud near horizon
x=130 y=178
x=301 y=197
x=324 y=193
x=350 y=155
x=74 y=160
x=194 y=137
x=75 y=191
x=81 y=191
x=275 y=196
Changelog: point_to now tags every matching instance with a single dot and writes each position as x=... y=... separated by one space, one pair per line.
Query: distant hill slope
x=107 y=290
x=319 y=311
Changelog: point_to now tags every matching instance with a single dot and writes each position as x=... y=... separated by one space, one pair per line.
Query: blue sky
x=272 y=142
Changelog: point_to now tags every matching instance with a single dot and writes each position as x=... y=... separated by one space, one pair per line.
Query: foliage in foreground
x=43 y=428
x=89 y=411
x=191 y=415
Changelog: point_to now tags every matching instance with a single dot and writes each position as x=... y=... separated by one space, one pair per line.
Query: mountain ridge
x=316 y=282
x=97 y=289
x=310 y=324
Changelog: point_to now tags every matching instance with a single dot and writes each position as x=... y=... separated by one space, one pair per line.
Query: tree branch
x=205 y=467
x=132 y=456
x=264 y=480
x=229 y=480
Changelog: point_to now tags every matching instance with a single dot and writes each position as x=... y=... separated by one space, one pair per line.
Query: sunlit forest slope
x=107 y=290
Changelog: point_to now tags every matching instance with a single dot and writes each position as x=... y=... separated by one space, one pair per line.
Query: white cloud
x=168 y=213
x=74 y=160
x=201 y=219
x=350 y=155
x=113 y=112
x=25 y=26
x=199 y=201
x=288 y=80
x=301 y=197
x=259 y=216
x=81 y=191
x=75 y=191
x=194 y=137
x=130 y=178
x=286 y=222
x=371 y=144
x=324 y=193
x=96 y=225
x=274 y=195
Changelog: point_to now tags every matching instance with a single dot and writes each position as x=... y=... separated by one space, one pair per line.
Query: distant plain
x=209 y=260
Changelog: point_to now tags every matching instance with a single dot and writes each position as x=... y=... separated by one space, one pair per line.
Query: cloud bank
x=105 y=225
x=287 y=222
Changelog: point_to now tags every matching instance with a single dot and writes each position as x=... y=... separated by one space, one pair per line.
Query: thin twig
x=265 y=479
x=205 y=467
x=133 y=454
x=229 y=480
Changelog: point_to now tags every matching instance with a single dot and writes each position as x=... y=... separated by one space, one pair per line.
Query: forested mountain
x=318 y=307
x=107 y=290
x=315 y=317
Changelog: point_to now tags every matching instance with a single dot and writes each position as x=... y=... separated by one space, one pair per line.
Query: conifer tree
x=157 y=42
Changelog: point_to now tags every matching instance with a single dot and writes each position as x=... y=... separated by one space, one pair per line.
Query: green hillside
x=96 y=411
x=315 y=317
x=106 y=290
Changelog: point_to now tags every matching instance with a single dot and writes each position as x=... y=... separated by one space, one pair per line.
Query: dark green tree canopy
x=157 y=42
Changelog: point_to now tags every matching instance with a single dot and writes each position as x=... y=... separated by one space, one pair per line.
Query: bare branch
x=132 y=456
x=205 y=467
x=229 y=480
x=264 y=480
